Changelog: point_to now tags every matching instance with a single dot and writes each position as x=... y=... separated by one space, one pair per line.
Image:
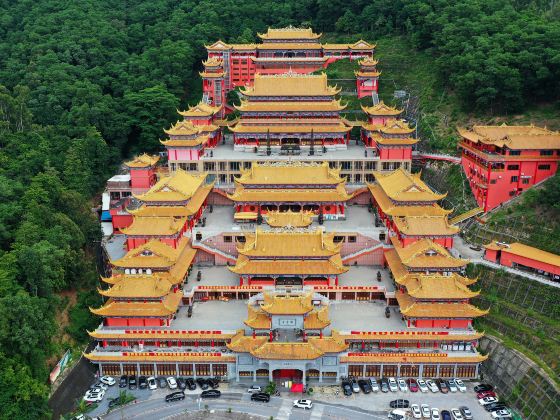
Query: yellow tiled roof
x=425 y=225
x=389 y=208
x=359 y=45
x=401 y=185
x=159 y=357
x=189 y=209
x=167 y=306
x=287 y=305
x=369 y=62
x=208 y=75
x=244 y=344
x=289 y=32
x=155 y=254
x=393 y=141
x=180 y=186
x=426 y=253
x=414 y=358
x=289 y=218
x=218 y=45
x=201 y=109
x=416 y=335
x=513 y=137
x=424 y=286
x=257 y=195
x=155 y=226
x=212 y=62
x=142 y=161
x=267 y=127
x=412 y=309
x=526 y=251
x=361 y=73
x=392 y=126
x=287 y=351
x=257 y=319
x=290 y=106
x=381 y=109
x=289 y=243
x=317 y=319
x=333 y=265
x=289 y=46
x=290 y=84
x=191 y=142
x=139 y=286
x=155 y=334
x=182 y=128
x=290 y=173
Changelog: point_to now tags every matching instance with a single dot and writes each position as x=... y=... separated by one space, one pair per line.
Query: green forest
x=85 y=84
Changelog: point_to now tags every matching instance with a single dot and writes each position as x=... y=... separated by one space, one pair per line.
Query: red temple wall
x=142 y=178
x=120 y=221
x=442 y=323
x=491 y=255
x=508 y=259
x=402 y=153
x=133 y=322
x=182 y=154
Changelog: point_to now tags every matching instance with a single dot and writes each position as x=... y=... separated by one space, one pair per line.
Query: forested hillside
x=85 y=83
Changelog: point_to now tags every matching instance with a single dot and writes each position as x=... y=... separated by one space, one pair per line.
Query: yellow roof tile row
x=139 y=286
x=155 y=254
x=290 y=106
x=401 y=185
x=513 y=137
x=391 y=209
x=412 y=336
x=290 y=173
x=526 y=251
x=290 y=84
x=426 y=253
x=192 y=206
x=289 y=218
x=381 y=109
x=202 y=109
x=289 y=32
x=333 y=265
x=425 y=225
x=413 y=309
x=155 y=226
x=160 y=357
x=142 y=161
x=300 y=195
x=287 y=305
x=390 y=126
x=167 y=306
x=178 y=187
x=245 y=128
x=436 y=287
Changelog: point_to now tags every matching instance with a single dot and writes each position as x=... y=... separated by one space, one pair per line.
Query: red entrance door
x=291 y=374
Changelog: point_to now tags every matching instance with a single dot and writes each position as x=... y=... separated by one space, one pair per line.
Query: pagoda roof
x=513 y=136
x=155 y=226
x=425 y=225
x=183 y=128
x=389 y=208
x=142 y=161
x=389 y=126
x=362 y=73
x=209 y=75
x=426 y=253
x=290 y=106
x=358 y=45
x=153 y=254
x=187 y=210
x=393 y=141
x=368 y=62
x=318 y=319
x=218 y=45
x=401 y=185
x=180 y=186
x=213 y=62
x=413 y=309
x=192 y=142
x=413 y=358
x=289 y=242
x=526 y=251
x=289 y=218
x=381 y=109
x=165 y=307
x=437 y=286
x=290 y=84
x=275 y=304
x=289 y=32
x=257 y=319
x=285 y=195
x=290 y=173
x=202 y=109
x=243 y=46
x=289 y=46
x=139 y=286
x=295 y=266
x=295 y=128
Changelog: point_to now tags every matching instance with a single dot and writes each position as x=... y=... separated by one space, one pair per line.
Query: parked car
x=393 y=385
x=452 y=385
x=108 y=380
x=365 y=386
x=191 y=384
x=384 y=385
x=435 y=414
x=211 y=393
x=152 y=385
x=466 y=412
x=374 y=385
x=456 y=414
x=171 y=382
x=181 y=383
x=415 y=410
x=486 y=394
x=305 y=404
x=483 y=387
x=400 y=403
x=402 y=385
x=431 y=385
x=445 y=415
x=398 y=414
x=162 y=382
x=412 y=385
x=346 y=388
x=500 y=414
x=142 y=382
x=260 y=396
x=495 y=406
x=442 y=386
x=422 y=385
x=355 y=386
x=123 y=382
x=426 y=412
x=92 y=396
x=460 y=385
x=175 y=396
x=254 y=388
x=214 y=383
x=202 y=383
x=113 y=402
x=132 y=383
x=100 y=386
x=487 y=400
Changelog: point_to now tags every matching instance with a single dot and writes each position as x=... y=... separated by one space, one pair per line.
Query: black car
x=142 y=382
x=190 y=384
x=113 y=402
x=181 y=383
x=202 y=383
x=495 y=406
x=162 y=382
x=123 y=382
x=445 y=415
x=483 y=388
x=260 y=396
x=211 y=393
x=365 y=386
x=442 y=385
x=132 y=384
x=384 y=385
x=346 y=388
x=176 y=396
x=399 y=403
x=213 y=382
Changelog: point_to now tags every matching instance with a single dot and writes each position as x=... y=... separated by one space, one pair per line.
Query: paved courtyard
x=366 y=316
x=213 y=315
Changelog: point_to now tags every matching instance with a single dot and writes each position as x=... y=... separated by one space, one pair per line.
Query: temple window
x=227 y=238
x=351 y=239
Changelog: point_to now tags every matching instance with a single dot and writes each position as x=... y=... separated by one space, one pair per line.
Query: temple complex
x=502 y=161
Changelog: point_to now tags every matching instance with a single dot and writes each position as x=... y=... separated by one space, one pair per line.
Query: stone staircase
x=467 y=215
x=361 y=252
x=213 y=251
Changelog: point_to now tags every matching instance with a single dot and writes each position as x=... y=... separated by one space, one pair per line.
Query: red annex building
x=503 y=161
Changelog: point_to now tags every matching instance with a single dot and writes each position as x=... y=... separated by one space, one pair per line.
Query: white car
x=435 y=414
x=305 y=404
x=374 y=385
x=171 y=382
x=456 y=414
x=253 y=389
x=426 y=413
x=152 y=383
x=416 y=413
x=432 y=385
x=402 y=385
x=398 y=414
x=500 y=414
x=460 y=385
x=108 y=380
x=422 y=385
x=393 y=385
x=94 y=396
x=487 y=400
x=99 y=385
x=452 y=386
